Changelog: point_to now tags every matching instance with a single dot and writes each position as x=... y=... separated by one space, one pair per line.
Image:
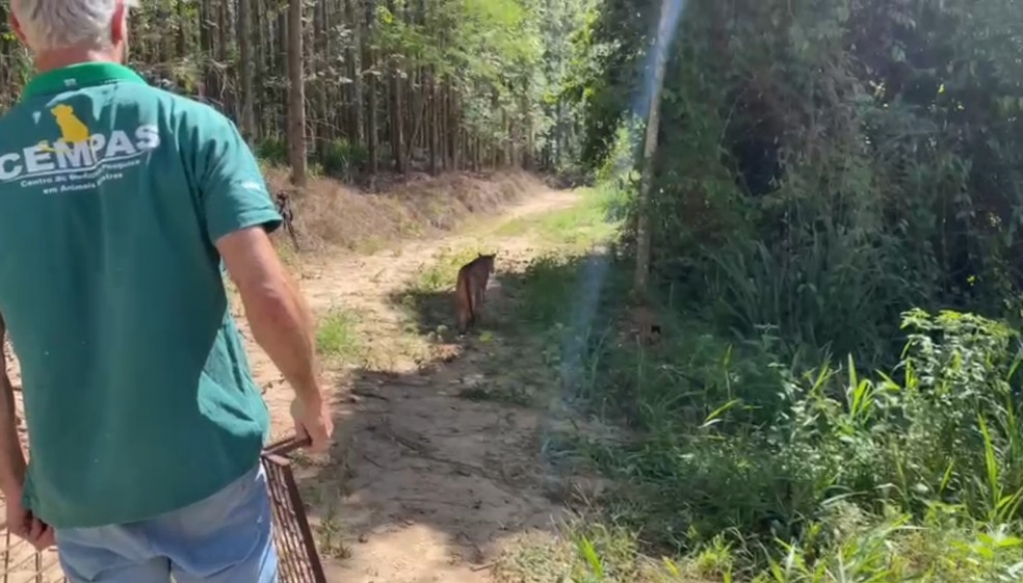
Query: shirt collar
x=78 y=76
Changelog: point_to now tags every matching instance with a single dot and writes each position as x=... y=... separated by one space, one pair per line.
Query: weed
x=336 y=335
x=331 y=536
x=543 y=292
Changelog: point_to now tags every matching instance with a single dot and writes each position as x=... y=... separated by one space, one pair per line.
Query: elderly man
x=119 y=205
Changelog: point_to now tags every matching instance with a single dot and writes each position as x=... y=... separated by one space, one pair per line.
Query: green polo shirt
x=138 y=396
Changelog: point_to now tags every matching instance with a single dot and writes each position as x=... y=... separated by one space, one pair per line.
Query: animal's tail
x=463 y=299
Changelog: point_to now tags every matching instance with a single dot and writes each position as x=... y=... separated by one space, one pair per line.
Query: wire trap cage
x=298 y=561
x=20 y=562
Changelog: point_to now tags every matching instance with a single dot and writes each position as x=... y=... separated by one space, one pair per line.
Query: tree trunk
x=296 y=96
x=653 y=124
x=247 y=117
x=206 y=47
x=282 y=69
x=262 y=69
x=397 y=125
x=354 y=61
x=371 y=88
x=182 y=23
x=223 y=47
x=431 y=113
x=320 y=117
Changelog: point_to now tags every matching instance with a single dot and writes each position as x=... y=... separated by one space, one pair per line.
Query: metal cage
x=20 y=562
x=296 y=550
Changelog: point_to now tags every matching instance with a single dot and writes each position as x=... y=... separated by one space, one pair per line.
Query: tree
x=296 y=95
x=248 y=120
x=653 y=126
x=428 y=85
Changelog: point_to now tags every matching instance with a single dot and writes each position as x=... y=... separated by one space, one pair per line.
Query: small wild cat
x=470 y=288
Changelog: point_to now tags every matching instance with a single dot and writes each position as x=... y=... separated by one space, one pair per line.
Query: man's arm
x=12 y=462
x=238 y=214
x=280 y=319
x=20 y=520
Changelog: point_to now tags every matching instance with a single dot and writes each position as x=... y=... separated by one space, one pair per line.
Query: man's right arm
x=280 y=320
x=238 y=214
x=12 y=466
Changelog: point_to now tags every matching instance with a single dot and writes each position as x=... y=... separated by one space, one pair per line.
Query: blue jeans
x=226 y=538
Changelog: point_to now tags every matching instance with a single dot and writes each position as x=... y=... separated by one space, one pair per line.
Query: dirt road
x=422 y=485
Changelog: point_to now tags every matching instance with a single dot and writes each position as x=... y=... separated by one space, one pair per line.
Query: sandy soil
x=421 y=485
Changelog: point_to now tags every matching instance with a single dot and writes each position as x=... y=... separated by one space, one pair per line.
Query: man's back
x=137 y=391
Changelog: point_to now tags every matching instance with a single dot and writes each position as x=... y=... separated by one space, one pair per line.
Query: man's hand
x=312 y=421
x=24 y=524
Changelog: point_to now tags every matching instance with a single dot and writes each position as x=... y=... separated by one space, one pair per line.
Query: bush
x=808 y=469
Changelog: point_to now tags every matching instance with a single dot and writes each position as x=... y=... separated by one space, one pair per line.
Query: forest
x=373 y=86
x=822 y=203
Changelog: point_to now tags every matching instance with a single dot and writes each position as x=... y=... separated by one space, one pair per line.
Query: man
x=119 y=203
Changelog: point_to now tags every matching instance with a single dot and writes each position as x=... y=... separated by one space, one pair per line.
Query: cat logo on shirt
x=72 y=130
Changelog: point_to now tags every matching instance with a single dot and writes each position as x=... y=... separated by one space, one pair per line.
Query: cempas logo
x=79 y=159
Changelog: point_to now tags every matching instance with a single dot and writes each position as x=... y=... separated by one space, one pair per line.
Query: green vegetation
x=743 y=467
x=336 y=335
x=402 y=85
x=580 y=226
x=834 y=210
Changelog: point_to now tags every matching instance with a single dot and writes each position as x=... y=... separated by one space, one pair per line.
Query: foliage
x=471 y=83
x=747 y=469
x=824 y=166
x=746 y=460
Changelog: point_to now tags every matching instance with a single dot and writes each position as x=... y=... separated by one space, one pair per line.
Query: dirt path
x=422 y=485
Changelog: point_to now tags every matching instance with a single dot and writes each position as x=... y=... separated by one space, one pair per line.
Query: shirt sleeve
x=232 y=192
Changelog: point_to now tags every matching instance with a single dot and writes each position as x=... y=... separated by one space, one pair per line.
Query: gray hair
x=57 y=24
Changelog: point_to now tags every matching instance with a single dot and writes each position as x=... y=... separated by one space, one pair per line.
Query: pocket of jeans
x=223 y=531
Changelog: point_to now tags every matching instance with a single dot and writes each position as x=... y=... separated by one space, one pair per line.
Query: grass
x=746 y=461
x=332 y=536
x=578 y=227
x=744 y=469
x=440 y=275
x=336 y=335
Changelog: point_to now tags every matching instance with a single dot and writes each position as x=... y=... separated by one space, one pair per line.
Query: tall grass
x=745 y=463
